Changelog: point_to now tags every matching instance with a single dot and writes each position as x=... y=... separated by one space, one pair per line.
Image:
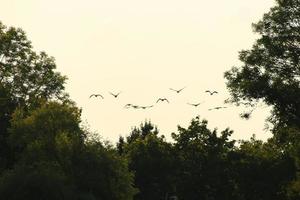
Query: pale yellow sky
x=143 y=48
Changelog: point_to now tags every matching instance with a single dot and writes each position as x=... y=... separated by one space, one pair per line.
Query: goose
x=217 y=108
x=178 y=91
x=195 y=104
x=162 y=99
x=211 y=92
x=144 y=107
x=96 y=95
x=115 y=95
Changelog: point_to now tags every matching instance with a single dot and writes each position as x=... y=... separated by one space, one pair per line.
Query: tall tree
x=271 y=69
x=25 y=73
x=26 y=79
x=271 y=72
x=151 y=159
x=204 y=168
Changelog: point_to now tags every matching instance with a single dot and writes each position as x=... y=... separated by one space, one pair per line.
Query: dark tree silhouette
x=271 y=69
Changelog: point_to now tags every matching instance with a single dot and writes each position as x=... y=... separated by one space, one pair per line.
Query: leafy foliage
x=152 y=160
x=271 y=69
x=204 y=165
x=26 y=74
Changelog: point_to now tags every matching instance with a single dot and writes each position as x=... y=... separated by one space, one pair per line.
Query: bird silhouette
x=195 y=104
x=162 y=99
x=144 y=107
x=128 y=105
x=211 y=92
x=178 y=91
x=96 y=95
x=135 y=106
x=115 y=95
x=217 y=108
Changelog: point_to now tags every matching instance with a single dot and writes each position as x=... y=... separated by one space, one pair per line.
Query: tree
x=7 y=106
x=26 y=74
x=271 y=69
x=46 y=133
x=43 y=181
x=26 y=80
x=203 y=158
x=151 y=159
x=99 y=171
x=271 y=72
x=50 y=147
x=262 y=170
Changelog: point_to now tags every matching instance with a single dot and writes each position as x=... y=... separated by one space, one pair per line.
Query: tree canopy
x=271 y=69
x=27 y=75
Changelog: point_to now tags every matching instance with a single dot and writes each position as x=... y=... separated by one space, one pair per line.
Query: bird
x=115 y=95
x=162 y=99
x=178 y=91
x=217 y=108
x=211 y=92
x=96 y=95
x=144 y=107
x=195 y=104
x=128 y=105
x=135 y=106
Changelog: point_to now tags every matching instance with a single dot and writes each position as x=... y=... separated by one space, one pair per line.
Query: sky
x=143 y=48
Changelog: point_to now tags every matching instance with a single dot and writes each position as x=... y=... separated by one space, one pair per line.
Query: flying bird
x=217 y=108
x=132 y=106
x=115 y=95
x=128 y=105
x=211 y=92
x=135 y=106
x=162 y=99
x=96 y=95
x=144 y=107
x=195 y=104
x=178 y=91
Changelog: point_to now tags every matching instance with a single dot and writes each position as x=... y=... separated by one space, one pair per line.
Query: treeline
x=204 y=164
x=46 y=154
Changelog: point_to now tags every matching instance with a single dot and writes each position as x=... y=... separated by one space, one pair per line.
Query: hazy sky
x=143 y=48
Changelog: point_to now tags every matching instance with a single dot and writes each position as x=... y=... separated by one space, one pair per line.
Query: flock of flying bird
x=129 y=105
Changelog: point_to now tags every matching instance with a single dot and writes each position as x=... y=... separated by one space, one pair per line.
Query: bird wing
x=215 y=92
x=112 y=94
x=167 y=100
x=173 y=89
x=191 y=104
x=127 y=105
x=100 y=96
x=182 y=89
x=92 y=95
x=158 y=100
